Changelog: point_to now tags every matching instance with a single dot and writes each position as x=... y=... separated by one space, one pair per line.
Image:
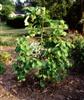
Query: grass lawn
x=3 y=26
x=8 y=35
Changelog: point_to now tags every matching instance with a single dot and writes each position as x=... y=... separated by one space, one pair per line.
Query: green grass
x=3 y=26
x=7 y=40
x=9 y=35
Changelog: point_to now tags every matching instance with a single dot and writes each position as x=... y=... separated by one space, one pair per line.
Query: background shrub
x=16 y=22
x=58 y=8
x=5 y=57
x=6 y=10
x=69 y=10
x=74 y=15
x=78 y=53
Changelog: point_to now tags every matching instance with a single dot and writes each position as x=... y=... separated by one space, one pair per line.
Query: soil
x=72 y=88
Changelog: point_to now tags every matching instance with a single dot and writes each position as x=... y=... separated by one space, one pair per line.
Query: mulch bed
x=72 y=88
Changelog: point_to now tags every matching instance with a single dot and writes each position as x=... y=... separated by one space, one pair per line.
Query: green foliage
x=58 y=8
x=6 y=10
x=48 y=63
x=49 y=55
x=78 y=51
x=6 y=2
x=5 y=57
x=2 y=69
x=56 y=59
x=38 y=22
x=27 y=58
x=74 y=15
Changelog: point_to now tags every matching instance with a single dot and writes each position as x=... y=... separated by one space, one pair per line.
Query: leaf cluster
x=38 y=22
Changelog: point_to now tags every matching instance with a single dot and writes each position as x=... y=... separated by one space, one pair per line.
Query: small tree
x=48 y=56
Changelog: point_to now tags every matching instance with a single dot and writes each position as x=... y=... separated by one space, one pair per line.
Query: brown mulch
x=72 y=88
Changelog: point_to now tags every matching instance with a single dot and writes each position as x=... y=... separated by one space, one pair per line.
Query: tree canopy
x=5 y=2
x=58 y=8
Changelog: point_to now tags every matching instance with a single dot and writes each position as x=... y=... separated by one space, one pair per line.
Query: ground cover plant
x=49 y=55
x=2 y=69
x=5 y=57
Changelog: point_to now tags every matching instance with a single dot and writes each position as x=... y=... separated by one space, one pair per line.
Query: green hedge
x=74 y=16
x=16 y=22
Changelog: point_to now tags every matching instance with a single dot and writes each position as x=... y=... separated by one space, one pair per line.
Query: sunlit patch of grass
x=3 y=26
x=7 y=40
x=9 y=35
